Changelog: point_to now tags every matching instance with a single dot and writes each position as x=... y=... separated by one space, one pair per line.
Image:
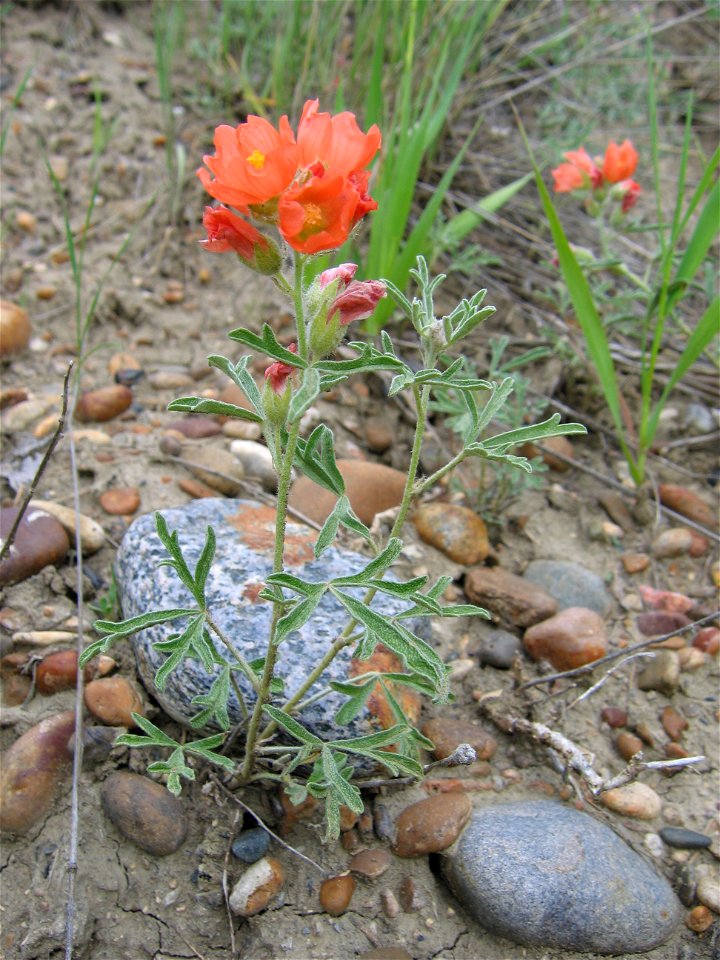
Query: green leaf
x=214 y=407
x=115 y=631
x=316 y=458
x=417 y=655
x=180 y=646
x=345 y=792
x=267 y=343
x=536 y=431
x=406 y=589
x=381 y=738
x=241 y=377
x=171 y=543
x=291 y=582
x=330 y=527
x=377 y=566
x=463 y=223
x=358 y=696
x=369 y=359
x=205 y=749
x=202 y=568
x=291 y=726
x=305 y=395
x=215 y=702
x=298 y=615
x=398 y=763
x=155 y=736
x=277 y=684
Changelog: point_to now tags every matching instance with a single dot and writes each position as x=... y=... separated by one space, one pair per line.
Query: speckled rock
x=257 y=887
x=243 y=558
x=542 y=874
x=570 y=584
x=513 y=601
x=40 y=541
x=456 y=531
x=431 y=825
x=145 y=812
x=570 y=639
x=370 y=487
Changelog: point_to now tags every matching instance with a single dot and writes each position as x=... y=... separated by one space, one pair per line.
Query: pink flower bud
x=630 y=195
x=278 y=373
x=226 y=231
x=344 y=273
x=357 y=302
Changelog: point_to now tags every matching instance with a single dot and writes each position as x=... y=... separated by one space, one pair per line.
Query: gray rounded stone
x=570 y=584
x=243 y=559
x=498 y=647
x=543 y=874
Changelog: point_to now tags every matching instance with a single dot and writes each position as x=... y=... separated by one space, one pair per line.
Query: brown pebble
x=456 y=531
x=628 y=745
x=514 y=601
x=145 y=812
x=350 y=841
x=122 y=361
x=218 y=469
x=348 y=818
x=58 y=671
x=120 y=501
x=257 y=887
x=657 y=622
x=633 y=800
x=113 y=700
x=707 y=640
x=673 y=722
x=371 y=863
x=379 y=435
x=661 y=674
x=15 y=328
x=389 y=903
x=33 y=769
x=46 y=293
x=645 y=734
x=431 y=825
x=196 y=489
x=635 y=562
x=672 y=543
x=370 y=487
x=613 y=716
x=573 y=637
x=336 y=894
x=447 y=734
x=106 y=403
x=26 y=221
x=15 y=688
x=699 y=919
x=689 y=504
x=196 y=428
x=40 y=541
x=411 y=898
x=673 y=751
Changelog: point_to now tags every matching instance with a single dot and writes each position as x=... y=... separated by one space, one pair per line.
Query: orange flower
x=579 y=171
x=316 y=188
x=335 y=142
x=620 y=161
x=319 y=214
x=252 y=164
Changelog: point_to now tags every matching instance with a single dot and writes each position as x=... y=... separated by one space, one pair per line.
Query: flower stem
x=299 y=302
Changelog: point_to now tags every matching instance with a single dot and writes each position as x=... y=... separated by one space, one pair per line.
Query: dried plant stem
x=579 y=760
x=226 y=895
x=29 y=493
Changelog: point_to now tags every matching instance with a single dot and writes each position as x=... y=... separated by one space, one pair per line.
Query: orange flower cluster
x=615 y=167
x=314 y=187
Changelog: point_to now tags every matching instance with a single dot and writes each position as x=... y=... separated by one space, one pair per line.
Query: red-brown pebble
x=431 y=825
x=40 y=541
x=456 y=531
x=447 y=734
x=15 y=688
x=196 y=428
x=32 y=771
x=689 y=504
x=570 y=639
x=145 y=812
x=106 y=403
x=673 y=751
x=379 y=435
x=645 y=734
x=411 y=898
x=371 y=863
x=673 y=722
x=336 y=894
x=370 y=487
x=707 y=640
x=635 y=562
x=120 y=501
x=113 y=700
x=699 y=919
x=655 y=623
x=257 y=887
x=58 y=671
x=15 y=328
x=628 y=745
x=196 y=489
x=515 y=601
x=614 y=717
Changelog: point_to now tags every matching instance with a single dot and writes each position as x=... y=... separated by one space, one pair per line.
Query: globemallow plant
x=294 y=196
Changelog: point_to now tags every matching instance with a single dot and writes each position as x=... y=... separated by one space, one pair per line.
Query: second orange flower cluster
x=314 y=187
x=615 y=167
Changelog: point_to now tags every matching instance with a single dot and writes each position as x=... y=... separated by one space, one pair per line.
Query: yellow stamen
x=256 y=159
x=313 y=215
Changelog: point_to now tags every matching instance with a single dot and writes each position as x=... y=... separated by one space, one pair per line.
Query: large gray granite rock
x=243 y=559
x=543 y=874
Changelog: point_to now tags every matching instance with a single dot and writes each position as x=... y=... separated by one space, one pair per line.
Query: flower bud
x=357 y=302
x=278 y=390
x=226 y=231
